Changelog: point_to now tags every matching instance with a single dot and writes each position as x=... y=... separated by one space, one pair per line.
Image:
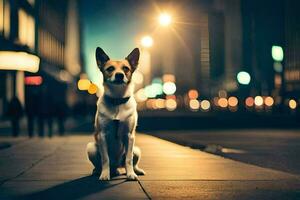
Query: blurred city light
x=194 y=104
x=243 y=78
x=83 y=84
x=165 y=19
x=171 y=104
x=222 y=94
x=169 y=88
x=292 y=104
x=138 y=77
x=205 y=105
x=222 y=102
x=150 y=91
x=193 y=94
x=140 y=95
x=92 y=88
x=232 y=101
x=277 y=67
x=160 y=103
x=277 y=53
x=33 y=80
x=22 y=61
x=258 y=101
x=269 y=101
x=147 y=41
x=249 y=101
x=168 y=78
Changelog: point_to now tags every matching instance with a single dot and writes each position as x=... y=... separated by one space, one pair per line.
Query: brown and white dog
x=116 y=119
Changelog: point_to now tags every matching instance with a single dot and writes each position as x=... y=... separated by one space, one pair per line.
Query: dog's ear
x=101 y=57
x=133 y=58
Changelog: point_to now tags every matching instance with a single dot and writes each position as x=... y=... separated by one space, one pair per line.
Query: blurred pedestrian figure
x=61 y=113
x=31 y=106
x=15 y=112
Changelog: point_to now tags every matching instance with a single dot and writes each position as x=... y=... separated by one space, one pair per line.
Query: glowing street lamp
x=165 y=19
x=147 y=41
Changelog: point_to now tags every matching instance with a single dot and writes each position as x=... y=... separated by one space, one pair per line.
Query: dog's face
x=117 y=71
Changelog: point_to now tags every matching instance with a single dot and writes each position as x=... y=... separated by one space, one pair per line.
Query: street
x=271 y=148
x=57 y=168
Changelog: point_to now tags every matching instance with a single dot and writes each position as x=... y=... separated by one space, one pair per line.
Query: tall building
x=50 y=30
x=292 y=48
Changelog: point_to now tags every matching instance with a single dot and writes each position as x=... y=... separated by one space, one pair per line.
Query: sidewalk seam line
x=144 y=190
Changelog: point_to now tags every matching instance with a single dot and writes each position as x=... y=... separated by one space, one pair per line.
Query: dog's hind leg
x=94 y=156
x=136 y=159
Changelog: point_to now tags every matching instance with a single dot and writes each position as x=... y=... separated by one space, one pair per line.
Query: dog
x=116 y=119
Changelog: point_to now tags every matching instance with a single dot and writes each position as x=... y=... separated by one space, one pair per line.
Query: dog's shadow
x=74 y=189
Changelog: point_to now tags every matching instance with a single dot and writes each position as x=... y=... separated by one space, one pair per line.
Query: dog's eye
x=126 y=69
x=110 y=69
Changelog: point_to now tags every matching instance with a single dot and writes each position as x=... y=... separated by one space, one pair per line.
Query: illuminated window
x=6 y=20
x=26 y=29
x=1 y=16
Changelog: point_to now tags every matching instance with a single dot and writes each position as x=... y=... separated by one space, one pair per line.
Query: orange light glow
x=269 y=101
x=83 y=84
x=194 y=104
x=222 y=102
x=171 y=104
x=160 y=103
x=168 y=78
x=233 y=101
x=92 y=88
x=193 y=94
x=249 y=101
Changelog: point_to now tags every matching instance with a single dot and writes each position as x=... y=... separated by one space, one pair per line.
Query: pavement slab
x=58 y=168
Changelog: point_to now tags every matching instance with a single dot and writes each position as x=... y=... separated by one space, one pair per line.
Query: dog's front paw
x=105 y=176
x=139 y=171
x=132 y=177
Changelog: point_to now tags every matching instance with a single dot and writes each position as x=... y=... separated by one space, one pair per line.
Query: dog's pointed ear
x=101 y=57
x=133 y=58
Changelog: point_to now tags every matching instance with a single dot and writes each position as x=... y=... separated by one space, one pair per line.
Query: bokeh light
x=243 y=78
x=83 y=84
x=249 y=101
x=193 y=94
x=222 y=102
x=277 y=53
x=258 y=101
x=168 y=78
x=292 y=104
x=169 y=88
x=140 y=95
x=194 y=104
x=160 y=103
x=233 y=101
x=138 y=77
x=171 y=104
x=269 y=101
x=147 y=41
x=205 y=105
x=92 y=88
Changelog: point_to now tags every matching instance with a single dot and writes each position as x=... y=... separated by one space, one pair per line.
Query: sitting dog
x=116 y=119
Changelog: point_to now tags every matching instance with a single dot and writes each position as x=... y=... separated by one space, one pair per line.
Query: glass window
x=26 y=29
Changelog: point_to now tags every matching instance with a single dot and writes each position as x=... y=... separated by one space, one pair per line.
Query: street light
x=165 y=19
x=147 y=41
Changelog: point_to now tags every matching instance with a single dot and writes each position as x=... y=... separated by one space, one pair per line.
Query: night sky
x=116 y=26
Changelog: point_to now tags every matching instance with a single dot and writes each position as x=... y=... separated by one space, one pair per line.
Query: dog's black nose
x=119 y=76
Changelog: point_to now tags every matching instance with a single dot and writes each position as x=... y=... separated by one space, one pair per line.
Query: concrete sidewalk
x=57 y=168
